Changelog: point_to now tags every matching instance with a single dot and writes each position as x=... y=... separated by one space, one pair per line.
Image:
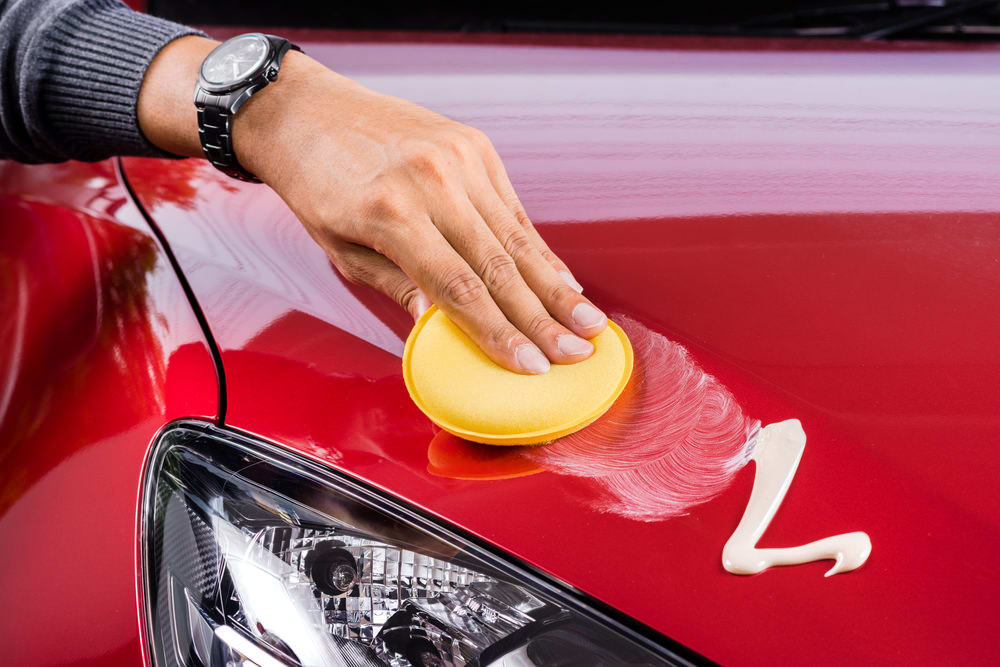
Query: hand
x=418 y=207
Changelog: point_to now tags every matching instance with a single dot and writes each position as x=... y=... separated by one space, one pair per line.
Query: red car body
x=817 y=222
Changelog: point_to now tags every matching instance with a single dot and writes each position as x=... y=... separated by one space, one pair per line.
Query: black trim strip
x=220 y=371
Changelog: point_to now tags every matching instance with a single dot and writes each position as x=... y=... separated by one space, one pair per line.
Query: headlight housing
x=253 y=555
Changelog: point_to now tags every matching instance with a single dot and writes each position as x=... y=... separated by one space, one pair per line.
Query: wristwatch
x=234 y=71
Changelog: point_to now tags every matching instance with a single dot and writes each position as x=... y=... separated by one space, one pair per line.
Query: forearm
x=165 y=109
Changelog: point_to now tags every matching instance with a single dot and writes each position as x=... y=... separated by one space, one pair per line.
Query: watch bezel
x=248 y=78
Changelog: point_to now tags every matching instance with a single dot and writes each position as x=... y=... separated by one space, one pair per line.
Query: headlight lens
x=254 y=556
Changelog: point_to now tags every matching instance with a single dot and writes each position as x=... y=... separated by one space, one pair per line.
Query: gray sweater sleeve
x=70 y=72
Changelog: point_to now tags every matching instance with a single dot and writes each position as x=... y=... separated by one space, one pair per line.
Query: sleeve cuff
x=93 y=59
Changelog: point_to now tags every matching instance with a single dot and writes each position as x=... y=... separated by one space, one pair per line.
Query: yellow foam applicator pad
x=455 y=384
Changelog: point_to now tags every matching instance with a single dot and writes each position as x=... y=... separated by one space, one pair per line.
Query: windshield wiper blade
x=894 y=26
x=864 y=19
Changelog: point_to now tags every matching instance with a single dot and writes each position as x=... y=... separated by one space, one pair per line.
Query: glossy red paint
x=818 y=224
x=98 y=348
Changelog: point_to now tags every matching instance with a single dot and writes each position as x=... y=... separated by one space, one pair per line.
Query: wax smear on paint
x=674 y=439
x=776 y=455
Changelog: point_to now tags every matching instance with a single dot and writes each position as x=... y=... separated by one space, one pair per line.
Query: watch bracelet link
x=216 y=110
x=215 y=128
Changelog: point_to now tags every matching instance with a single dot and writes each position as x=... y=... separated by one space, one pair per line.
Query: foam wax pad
x=461 y=390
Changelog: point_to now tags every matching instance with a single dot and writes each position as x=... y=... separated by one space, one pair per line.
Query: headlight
x=253 y=556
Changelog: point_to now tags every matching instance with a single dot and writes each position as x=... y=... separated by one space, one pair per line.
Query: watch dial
x=233 y=60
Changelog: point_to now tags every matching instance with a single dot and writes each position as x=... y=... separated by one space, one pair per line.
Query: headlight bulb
x=333 y=569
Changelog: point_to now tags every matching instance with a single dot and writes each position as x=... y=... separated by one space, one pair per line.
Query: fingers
x=467 y=232
x=505 y=190
x=540 y=275
x=460 y=292
x=366 y=267
x=445 y=224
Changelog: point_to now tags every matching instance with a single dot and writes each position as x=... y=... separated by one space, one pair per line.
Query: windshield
x=846 y=19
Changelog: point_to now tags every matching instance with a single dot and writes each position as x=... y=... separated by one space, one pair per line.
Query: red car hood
x=818 y=224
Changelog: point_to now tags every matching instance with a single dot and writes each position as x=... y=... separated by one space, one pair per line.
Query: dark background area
x=472 y=15
x=940 y=19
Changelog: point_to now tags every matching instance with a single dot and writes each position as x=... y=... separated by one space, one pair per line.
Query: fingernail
x=571 y=281
x=572 y=345
x=422 y=303
x=587 y=316
x=531 y=359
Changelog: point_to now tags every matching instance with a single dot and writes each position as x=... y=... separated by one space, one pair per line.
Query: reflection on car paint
x=99 y=348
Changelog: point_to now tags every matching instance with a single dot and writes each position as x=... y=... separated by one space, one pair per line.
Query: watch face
x=234 y=60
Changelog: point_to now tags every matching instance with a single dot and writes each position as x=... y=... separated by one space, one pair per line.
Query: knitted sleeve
x=70 y=72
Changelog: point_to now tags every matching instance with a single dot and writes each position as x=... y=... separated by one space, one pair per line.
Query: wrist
x=166 y=116
x=268 y=127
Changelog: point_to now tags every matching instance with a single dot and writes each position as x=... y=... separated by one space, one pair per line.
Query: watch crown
x=272 y=74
